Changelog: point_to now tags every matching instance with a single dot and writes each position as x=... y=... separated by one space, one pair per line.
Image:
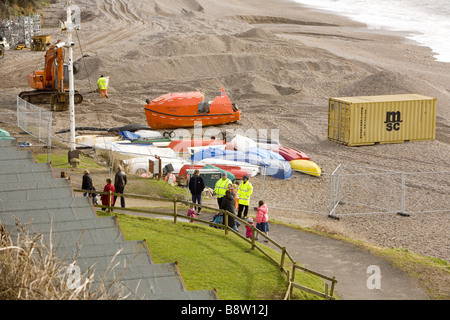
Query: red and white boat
x=289 y=154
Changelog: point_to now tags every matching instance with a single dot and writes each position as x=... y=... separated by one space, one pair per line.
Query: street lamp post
x=70 y=27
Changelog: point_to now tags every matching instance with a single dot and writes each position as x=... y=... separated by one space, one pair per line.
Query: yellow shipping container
x=366 y=120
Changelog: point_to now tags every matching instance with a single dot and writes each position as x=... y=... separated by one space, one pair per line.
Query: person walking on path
x=87 y=184
x=245 y=191
x=221 y=187
x=234 y=191
x=191 y=212
x=106 y=201
x=196 y=186
x=227 y=204
x=102 y=84
x=248 y=229
x=262 y=219
x=120 y=181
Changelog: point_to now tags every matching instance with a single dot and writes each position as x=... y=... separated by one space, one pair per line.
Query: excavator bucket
x=59 y=101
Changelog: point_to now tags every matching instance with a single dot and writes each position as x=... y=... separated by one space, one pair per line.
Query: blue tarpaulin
x=276 y=168
x=128 y=135
x=274 y=164
x=218 y=153
x=264 y=154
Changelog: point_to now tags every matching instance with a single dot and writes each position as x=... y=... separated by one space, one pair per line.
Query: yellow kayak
x=306 y=166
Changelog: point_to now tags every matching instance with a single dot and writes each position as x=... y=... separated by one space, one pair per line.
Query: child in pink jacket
x=248 y=229
x=191 y=212
x=262 y=219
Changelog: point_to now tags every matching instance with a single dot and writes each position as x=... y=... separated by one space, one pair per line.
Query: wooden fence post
x=225 y=221
x=283 y=254
x=175 y=211
x=332 y=286
x=292 y=279
x=109 y=201
x=253 y=237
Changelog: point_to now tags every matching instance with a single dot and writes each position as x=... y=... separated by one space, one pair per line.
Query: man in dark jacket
x=87 y=183
x=120 y=181
x=196 y=186
x=228 y=204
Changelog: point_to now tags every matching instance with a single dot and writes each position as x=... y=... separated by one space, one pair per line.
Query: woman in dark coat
x=228 y=204
x=87 y=183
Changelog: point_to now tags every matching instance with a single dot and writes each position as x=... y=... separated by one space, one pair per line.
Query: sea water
x=425 y=21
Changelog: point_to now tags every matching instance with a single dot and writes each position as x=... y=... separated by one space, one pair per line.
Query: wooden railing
x=290 y=275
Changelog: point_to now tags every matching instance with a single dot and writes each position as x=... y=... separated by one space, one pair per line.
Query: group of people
x=230 y=197
x=120 y=181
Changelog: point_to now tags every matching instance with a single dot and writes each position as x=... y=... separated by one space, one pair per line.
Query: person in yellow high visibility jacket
x=221 y=187
x=102 y=86
x=245 y=190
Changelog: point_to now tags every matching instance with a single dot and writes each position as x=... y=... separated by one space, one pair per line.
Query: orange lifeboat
x=186 y=109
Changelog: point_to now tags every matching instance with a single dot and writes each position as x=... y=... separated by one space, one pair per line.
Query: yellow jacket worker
x=102 y=84
x=245 y=191
x=221 y=187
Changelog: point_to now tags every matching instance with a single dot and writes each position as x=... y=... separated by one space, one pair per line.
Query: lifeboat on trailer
x=186 y=109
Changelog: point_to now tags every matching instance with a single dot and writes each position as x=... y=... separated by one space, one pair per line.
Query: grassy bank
x=208 y=259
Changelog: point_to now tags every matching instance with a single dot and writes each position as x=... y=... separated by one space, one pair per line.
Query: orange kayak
x=186 y=109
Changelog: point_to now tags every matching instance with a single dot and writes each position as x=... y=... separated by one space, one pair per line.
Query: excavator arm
x=49 y=82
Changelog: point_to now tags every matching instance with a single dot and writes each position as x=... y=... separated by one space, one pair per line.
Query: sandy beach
x=280 y=62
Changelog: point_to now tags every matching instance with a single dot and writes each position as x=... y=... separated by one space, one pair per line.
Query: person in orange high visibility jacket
x=102 y=84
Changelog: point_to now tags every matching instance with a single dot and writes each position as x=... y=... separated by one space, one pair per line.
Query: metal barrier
x=358 y=190
x=36 y=122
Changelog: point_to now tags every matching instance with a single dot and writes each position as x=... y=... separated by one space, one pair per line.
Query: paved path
x=349 y=264
x=345 y=261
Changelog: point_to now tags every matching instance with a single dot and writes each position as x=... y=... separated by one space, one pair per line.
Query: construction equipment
x=41 y=42
x=20 y=46
x=50 y=83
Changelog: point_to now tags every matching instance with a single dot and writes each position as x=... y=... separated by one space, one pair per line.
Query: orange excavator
x=50 y=83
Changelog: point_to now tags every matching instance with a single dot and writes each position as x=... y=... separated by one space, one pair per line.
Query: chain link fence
x=33 y=120
x=363 y=190
x=356 y=190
